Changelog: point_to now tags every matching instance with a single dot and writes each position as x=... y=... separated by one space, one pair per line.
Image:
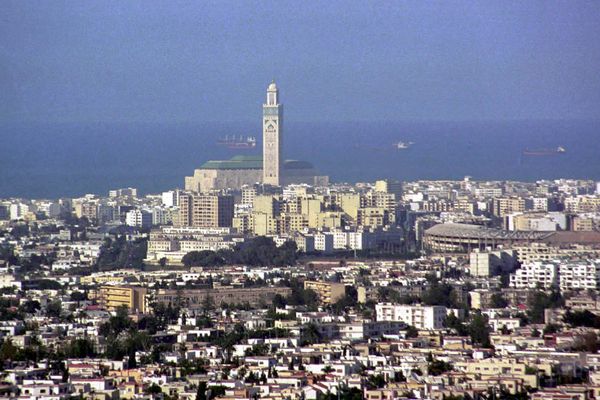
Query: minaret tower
x=272 y=120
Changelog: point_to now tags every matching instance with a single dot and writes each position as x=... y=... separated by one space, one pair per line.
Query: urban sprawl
x=262 y=279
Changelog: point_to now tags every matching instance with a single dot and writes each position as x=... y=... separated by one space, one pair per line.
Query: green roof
x=237 y=162
x=251 y=162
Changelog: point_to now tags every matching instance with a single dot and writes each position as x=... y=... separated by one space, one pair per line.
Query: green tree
x=54 y=309
x=539 y=301
x=80 y=348
x=438 y=367
x=201 y=393
x=498 y=301
x=479 y=330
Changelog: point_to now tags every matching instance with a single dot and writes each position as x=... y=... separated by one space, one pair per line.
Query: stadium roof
x=467 y=231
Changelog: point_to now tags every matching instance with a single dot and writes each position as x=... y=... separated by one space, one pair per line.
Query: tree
x=479 y=330
x=216 y=391
x=153 y=389
x=582 y=318
x=310 y=334
x=327 y=369
x=452 y=322
x=539 y=301
x=118 y=323
x=376 y=381
x=54 y=309
x=78 y=296
x=8 y=351
x=201 y=393
x=31 y=306
x=438 y=367
x=587 y=342
x=412 y=332
x=80 y=348
x=205 y=258
x=498 y=301
x=441 y=294
x=551 y=328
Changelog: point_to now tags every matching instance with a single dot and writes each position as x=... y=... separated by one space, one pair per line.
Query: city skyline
x=425 y=223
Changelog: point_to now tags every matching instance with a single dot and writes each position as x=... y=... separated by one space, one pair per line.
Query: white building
x=490 y=263
x=139 y=218
x=170 y=198
x=421 y=317
x=585 y=275
x=18 y=211
x=535 y=275
x=567 y=275
x=324 y=242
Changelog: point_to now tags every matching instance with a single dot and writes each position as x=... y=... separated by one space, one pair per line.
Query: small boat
x=402 y=145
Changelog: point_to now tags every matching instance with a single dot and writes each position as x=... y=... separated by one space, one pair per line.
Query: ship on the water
x=402 y=145
x=238 y=142
x=544 y=152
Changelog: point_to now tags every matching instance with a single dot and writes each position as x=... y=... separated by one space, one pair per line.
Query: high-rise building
x=272 y=140
x=205 y=211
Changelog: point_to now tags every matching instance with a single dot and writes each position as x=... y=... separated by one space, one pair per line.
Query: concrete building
x=139 y=218
x=328 y=292
x=205 y=210
x=490 y=263
x=504 y=206
x=421 y=317
x=125 y=192
x=197 y=298
x=565 y=274
x=113 y=297
x=535 y=275
x=170 y=198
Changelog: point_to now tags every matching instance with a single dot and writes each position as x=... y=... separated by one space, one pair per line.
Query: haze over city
x=181 y=61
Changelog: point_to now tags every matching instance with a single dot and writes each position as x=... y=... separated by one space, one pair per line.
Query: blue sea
x=63 y=160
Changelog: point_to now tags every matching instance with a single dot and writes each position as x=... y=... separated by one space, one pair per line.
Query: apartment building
x=421 y=317
x=535 y=275
x=196 y=298
x=328 y=292
x=113 y=297
x=205 y=210
x=504 y=206
x=565 y=274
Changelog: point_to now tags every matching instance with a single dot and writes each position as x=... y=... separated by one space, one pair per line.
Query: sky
x=189 y=62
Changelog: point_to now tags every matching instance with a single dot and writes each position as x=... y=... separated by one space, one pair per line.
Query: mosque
x=247 y=170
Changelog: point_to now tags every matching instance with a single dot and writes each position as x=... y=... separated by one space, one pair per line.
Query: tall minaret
x=272 y=120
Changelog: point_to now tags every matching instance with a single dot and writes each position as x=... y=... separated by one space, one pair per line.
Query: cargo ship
x=544 y=152
x=238 y=142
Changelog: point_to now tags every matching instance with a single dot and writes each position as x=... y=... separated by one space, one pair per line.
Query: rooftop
x=468 y=231
x=251 y=162
x=237 y=162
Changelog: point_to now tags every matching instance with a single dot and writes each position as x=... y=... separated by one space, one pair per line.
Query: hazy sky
x=369 y=60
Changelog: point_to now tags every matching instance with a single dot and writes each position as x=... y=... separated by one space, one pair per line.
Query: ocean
x=66 y=160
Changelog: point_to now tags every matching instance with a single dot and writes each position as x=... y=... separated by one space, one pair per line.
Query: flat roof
x=251 y=162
